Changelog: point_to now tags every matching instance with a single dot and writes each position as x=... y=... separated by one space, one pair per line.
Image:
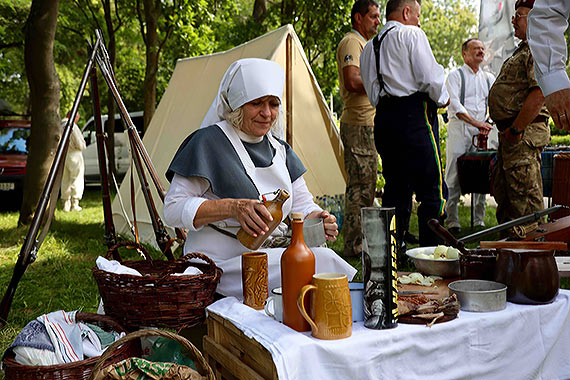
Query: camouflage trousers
x=361 y=164
x=517 y=183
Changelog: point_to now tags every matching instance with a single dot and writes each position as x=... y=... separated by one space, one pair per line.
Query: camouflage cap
x=524 y=3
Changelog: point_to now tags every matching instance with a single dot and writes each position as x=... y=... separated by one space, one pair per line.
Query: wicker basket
x=79 y=370
x=157 y=299
x=203 y=368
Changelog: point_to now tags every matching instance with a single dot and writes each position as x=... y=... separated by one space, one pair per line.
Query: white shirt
x=476 y=93
x=547 y=22
x=407 y=65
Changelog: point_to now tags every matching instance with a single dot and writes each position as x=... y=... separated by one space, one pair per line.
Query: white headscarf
x=246 y=80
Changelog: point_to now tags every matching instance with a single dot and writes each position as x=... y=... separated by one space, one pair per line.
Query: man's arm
x=368 y=73
x=484 y=127
x=529 y=111
x=547 y=22
x=428 y=72
x=352 y=79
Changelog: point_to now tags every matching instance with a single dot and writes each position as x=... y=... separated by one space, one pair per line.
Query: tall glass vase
x=379 y=267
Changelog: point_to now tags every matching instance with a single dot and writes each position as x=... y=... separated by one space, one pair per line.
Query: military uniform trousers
x=517 y=183
x=361 y=164
x=406 y=135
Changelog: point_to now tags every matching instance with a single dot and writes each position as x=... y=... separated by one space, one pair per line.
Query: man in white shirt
x=468 y=89
x=547 y=22
x=406 y=84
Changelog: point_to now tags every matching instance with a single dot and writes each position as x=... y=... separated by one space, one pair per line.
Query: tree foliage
x=199 y=27
x=448 y=23
x=13 y=81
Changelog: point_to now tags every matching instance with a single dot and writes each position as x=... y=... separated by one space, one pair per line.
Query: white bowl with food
x=439 y=261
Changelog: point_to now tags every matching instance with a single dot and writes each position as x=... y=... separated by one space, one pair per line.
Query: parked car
x=14 y=137
x=122 y=159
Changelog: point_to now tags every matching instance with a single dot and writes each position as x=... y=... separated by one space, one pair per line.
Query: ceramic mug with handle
x=330 y=314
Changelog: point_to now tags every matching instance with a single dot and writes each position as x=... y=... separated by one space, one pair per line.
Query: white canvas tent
x=310 y=129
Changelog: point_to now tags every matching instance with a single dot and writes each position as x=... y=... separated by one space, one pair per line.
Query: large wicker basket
x=79 y=370
x=201 y=364
x=158 y=299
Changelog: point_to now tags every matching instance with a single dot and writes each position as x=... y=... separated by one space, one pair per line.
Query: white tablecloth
x=520 y=342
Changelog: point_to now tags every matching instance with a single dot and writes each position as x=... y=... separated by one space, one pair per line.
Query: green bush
x=555 y=131
x=559 y=140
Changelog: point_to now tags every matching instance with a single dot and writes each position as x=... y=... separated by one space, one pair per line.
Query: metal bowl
x=443 y=268
x=480 y=295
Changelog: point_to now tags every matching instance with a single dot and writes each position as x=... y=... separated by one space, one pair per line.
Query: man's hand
x=558 y=104
x=484 y=128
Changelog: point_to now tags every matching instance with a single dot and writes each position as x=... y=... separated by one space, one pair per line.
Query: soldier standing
x=516 y=104
x=357 y=123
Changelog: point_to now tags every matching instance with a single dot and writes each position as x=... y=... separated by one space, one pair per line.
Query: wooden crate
x=232 y=355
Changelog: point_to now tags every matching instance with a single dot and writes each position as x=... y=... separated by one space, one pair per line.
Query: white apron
x=226 y=251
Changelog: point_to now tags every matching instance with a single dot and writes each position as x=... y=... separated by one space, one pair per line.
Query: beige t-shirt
x=357 y=109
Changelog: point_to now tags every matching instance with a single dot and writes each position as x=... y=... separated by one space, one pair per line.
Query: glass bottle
x=297 y=270
x=275 y=208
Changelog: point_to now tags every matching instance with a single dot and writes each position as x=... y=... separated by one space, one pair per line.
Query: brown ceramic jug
x=531 y=276
x=275 y=208
x=297 y=270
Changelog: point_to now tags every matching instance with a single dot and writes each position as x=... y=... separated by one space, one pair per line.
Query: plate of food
x=439 y=261
x=419 y=309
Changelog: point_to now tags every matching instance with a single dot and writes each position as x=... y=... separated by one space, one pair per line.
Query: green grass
x=61 y=276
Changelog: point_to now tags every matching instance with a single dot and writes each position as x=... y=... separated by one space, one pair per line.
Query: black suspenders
x=376 y=42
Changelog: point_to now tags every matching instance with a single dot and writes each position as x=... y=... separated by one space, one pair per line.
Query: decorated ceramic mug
x=254 y=279
x=330 y=306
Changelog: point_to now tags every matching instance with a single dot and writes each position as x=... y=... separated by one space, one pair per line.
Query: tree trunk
x=259 y=10
x=110 y=125
x=287 y=11
x=44 y=94
x=152 y=12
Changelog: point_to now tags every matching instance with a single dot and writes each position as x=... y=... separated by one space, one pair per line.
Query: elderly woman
x=220 y=171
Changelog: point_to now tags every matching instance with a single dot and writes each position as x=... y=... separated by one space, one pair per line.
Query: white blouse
x=187 y=194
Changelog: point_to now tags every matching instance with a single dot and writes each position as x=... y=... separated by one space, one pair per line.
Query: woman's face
x=259 y=115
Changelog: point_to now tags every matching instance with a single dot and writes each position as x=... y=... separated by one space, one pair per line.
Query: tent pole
x=289 y=89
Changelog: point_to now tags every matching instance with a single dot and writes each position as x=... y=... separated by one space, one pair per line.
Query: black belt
x=505 y=124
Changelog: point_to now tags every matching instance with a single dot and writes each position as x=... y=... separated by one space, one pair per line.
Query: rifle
x=137 y=149
x=504 y=226
x=43 y=215
x=110 y=234
x=140 y=156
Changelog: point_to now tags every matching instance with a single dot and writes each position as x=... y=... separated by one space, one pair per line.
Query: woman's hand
x=252 y=215
x=329 y=223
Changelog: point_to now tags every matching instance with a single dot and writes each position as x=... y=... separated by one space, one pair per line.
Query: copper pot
x=531 y=276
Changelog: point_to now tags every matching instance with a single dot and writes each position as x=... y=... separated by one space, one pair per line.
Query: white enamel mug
x=275 y=311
